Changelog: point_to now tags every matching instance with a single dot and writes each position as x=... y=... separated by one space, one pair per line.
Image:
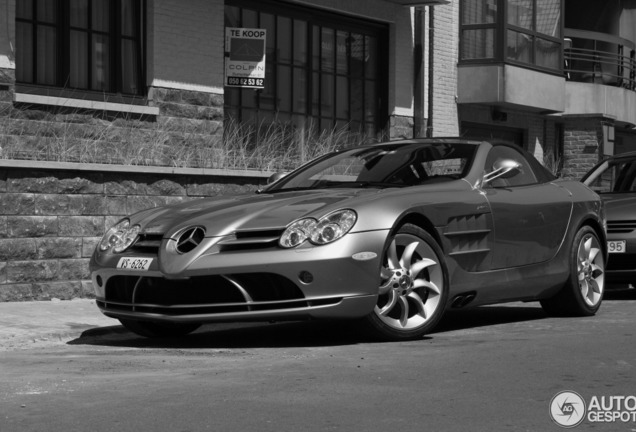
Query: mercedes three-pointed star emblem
x=190 y=239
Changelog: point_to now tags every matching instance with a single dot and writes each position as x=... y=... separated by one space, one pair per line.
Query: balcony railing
x=599 y=58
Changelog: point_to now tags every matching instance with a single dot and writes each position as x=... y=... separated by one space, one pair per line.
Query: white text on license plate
x=617 y=246
x=141 y=264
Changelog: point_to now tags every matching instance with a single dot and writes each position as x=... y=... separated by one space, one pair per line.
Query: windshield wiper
x=357 y=185
x=294 y=189
x=336 y=185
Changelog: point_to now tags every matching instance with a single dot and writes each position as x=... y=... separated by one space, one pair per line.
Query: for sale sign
x=245 y=62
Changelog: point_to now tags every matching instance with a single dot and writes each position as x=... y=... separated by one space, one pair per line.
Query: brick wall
x=583 y=139
x=52 y=219
x=446 y=43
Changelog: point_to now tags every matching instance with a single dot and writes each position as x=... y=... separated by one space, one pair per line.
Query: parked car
x=614 y=179
x=391 y=234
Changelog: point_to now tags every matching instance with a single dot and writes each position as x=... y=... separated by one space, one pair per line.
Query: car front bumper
x=621 y=267
x=339 y=280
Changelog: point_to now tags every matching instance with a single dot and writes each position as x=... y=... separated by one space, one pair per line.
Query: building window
x=534 y=32
x=322 y=70
x=523 y=32
x=91 y=46
x=479 y=29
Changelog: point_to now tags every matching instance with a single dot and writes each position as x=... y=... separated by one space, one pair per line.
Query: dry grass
x=74 y=137
x=553 y=163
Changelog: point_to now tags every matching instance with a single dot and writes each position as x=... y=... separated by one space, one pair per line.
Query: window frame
x=63 y=29
x=313 y=73
x=498 y=42
x=503 y=28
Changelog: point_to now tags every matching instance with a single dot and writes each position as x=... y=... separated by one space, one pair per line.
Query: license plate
x=617 y=246
x=139 y=264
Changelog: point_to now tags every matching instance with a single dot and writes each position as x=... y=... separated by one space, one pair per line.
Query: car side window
x=524 y=176
x=613 y=176
x=626 y=179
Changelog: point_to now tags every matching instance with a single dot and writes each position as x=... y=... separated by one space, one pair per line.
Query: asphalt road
x=489 y=369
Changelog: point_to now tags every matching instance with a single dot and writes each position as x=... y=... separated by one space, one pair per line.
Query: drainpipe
x=419 y=128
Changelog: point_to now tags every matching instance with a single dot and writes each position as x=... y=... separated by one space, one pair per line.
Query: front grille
x=250 y=240
x=621 y=227
x=205 y=294
x=147 y=243
x=189 y=239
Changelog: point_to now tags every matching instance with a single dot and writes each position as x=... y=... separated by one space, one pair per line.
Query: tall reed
x=80 y=138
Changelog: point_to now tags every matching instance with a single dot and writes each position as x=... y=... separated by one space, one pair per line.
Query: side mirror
x=275 y=177
x=502 y=168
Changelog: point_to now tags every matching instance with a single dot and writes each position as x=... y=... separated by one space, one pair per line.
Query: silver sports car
x=391 y=235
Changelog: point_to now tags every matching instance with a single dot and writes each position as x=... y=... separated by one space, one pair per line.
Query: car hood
x=620 y=206
x=225 y=215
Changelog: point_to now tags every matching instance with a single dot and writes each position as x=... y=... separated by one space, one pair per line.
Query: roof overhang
x=414 y=3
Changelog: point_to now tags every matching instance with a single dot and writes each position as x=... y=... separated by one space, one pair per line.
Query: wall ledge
x=85 y=104
x=142 y=169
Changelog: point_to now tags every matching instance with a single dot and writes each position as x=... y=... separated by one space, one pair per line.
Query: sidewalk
x=29 y=324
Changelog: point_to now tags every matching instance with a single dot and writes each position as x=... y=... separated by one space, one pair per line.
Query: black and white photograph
x=317 y=215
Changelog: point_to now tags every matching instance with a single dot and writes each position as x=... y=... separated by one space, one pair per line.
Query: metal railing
x=599 y=58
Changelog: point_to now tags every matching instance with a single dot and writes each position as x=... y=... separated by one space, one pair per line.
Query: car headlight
x=119 y=237
x=325 y=230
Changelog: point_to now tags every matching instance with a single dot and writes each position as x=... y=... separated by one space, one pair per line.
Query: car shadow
x=302 y=333
x=233 y=335
x=487 y=316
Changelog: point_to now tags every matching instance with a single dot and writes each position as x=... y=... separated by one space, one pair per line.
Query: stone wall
x=52 y=219
x=401 y=127
x=185 y=133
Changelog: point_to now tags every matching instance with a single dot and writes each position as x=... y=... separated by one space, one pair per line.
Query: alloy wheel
x=590 y=268
x=411 y=283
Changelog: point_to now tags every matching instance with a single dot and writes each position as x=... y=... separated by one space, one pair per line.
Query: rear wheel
x=159 y=329
x=583 y=293
x=413 y=288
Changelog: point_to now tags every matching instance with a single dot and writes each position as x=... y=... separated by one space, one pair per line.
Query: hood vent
x=190 y=239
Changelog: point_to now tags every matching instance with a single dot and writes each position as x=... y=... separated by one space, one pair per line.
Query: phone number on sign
x=246 y=82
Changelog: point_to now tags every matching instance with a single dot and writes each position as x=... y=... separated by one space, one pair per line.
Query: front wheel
x=151 y=329
x=583 y=293
x=413 y=286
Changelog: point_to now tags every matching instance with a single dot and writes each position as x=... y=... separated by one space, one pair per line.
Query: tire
x=582 y=294
x=159 y=329
x=413 y=288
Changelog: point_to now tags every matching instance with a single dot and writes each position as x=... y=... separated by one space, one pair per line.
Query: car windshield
x=613 y=176
x=379 y=166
